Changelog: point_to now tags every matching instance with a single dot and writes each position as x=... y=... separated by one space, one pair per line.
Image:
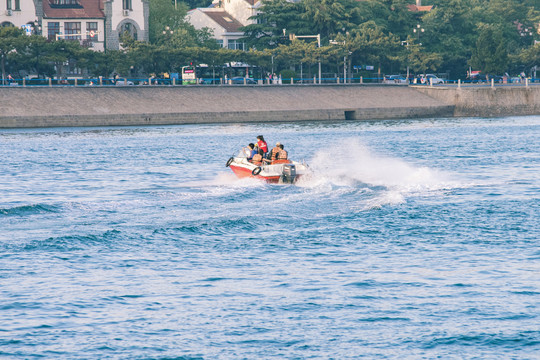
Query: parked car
x=478 y=78
x=515 y=80
x=94 y=82
x=496 y=78
x=122 y=82
x=430 y=79
x=38 y=81
x=394 y=79
x=240 y=80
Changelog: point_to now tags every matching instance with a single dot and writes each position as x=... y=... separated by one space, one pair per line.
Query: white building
x=225 y=18
x=95 y=23
x=129 y=16
x=17 y=13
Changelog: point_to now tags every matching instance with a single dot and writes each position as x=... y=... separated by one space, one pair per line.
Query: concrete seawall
x=164 y=105
x=487 y=101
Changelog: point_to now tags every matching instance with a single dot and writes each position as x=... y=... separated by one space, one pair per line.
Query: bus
x=188 y=75
x=219 y=74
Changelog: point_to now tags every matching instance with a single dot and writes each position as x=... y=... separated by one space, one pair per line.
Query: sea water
x=411 y=239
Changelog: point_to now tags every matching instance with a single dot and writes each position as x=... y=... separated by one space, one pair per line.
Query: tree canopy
x=492 y=36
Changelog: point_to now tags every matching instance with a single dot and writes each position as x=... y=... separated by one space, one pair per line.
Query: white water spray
x=356 y=166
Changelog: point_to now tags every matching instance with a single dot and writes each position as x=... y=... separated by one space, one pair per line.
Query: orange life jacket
x=274 y=153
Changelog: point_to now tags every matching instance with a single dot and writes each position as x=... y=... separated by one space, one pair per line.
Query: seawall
x=31 y=107
x=485 y=101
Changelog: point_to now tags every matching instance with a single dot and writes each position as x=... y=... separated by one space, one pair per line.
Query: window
x=235 y=45
x=220 y=42
x=53 y=29
x=10 y=3
x=65 y=4
x=72 y=28
x=126 y=5
x=91 y=27
x=130 y=30
x=71 y=68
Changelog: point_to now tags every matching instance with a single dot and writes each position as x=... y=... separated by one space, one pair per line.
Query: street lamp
x=318 y=37
x=526 y=33
x=168 y=31
x=417 y=30
x=335 y=42
x=406 y=44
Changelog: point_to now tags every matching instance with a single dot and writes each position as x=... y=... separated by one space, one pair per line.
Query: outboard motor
x=289 y=174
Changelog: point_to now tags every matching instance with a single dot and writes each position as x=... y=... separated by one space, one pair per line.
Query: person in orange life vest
x=275 y=151
x=252 y=151
x=282 y=154
x=257 y=158
x=261 y=144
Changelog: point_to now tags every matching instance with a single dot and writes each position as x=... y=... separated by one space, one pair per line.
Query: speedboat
x=276 y=171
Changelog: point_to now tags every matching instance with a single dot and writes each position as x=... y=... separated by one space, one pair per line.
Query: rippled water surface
x=411 y=239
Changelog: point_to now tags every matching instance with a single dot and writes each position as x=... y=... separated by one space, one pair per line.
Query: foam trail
x=356 y=163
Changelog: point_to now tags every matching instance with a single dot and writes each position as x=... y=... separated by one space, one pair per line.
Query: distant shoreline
x=37 y=107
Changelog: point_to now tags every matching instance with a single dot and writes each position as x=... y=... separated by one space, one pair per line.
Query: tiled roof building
x=418 y=7
x=225 y=18
x=97 y=24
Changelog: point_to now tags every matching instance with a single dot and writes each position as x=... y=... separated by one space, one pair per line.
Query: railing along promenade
x=101 y=81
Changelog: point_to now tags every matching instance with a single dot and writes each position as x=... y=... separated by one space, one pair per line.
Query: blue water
x=414 y=239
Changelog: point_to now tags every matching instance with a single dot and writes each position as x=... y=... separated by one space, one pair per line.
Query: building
x=18 y=13
x=97 y=24
x=418 y=7
x=225 y=18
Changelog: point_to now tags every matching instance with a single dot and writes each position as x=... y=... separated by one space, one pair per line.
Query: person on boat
x=252 y=151
x=257 y=159
x=282 y=154
x=274 y=152
x=261 y=144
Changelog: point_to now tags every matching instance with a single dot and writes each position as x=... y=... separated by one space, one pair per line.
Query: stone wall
x=486 y=101
x=161 y=105
x=144 y=105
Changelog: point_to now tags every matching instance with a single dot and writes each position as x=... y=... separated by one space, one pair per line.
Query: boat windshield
x=243 y=153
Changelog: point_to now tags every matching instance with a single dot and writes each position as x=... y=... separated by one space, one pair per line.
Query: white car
x=123 y=82
x=430 y=79
x=394 y=79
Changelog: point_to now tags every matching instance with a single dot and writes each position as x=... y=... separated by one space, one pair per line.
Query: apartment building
x=225 y=18
x=97 y=24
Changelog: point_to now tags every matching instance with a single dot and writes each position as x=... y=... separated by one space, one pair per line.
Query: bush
x=286 y=76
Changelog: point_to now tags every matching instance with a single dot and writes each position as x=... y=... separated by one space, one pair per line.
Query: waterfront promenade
x=166 y=105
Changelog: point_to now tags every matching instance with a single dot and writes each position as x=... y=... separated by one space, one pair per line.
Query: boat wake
x=384 y=179
x=368 y=179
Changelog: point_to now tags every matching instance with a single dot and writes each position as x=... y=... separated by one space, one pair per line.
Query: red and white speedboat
x=277 y=171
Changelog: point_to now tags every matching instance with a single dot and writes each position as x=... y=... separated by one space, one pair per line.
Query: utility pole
x=318 y=37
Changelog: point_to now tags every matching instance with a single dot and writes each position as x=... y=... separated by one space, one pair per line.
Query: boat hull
x=271 y=173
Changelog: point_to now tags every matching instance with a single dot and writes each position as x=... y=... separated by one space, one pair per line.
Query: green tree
x=450 y=31
x=104 y=63
x=168 y=26
x=328 y=17
x=490 y=54
x=40 y=55
x=11 y=39
x=530 y=57
x=192 y=4
x=421 y=61
x=275 y=19
x=370 y=45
